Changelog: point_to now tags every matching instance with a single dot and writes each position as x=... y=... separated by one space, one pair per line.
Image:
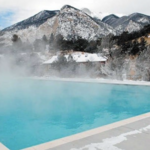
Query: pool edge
x=96 y=80
x=3 y=147
x=65 y=140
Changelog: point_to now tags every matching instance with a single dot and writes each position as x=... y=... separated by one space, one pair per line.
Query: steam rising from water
x=41 y=111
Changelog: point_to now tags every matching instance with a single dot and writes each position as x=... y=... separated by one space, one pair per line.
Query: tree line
x=132 y=43
x=55 y=43
x=126 y=36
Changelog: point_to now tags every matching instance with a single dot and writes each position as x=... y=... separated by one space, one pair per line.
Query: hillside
x=131 y=23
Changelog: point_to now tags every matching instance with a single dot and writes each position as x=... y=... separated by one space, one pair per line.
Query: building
x=77 y=57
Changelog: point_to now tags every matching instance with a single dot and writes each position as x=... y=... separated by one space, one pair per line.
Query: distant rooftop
x=79 y=57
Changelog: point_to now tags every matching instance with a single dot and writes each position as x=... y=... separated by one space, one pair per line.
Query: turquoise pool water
x=33 y=112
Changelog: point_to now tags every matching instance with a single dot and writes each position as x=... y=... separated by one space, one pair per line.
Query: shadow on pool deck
x=129 y=134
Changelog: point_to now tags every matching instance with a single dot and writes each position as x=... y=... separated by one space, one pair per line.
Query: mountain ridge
x=72 y=23
x=121 y=24
x=69 y=22
x=111 y=16
x=36 y=20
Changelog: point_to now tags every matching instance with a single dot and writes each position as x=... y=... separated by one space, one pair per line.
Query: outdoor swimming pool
x=35 y=111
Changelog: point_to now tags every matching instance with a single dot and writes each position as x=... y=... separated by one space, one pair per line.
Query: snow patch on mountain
x=130 y=27
x=144 y=20
x=133 y=26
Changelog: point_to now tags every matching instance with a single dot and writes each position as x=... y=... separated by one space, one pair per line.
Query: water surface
x=33 y=112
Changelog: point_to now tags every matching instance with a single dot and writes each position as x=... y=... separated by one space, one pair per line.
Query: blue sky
x=17 y=10
x=6 y=18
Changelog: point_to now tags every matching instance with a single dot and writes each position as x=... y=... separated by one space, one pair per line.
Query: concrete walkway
x=130 y=134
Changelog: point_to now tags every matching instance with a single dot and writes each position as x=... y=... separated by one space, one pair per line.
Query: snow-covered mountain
x=73 y=23
x=69 y=22
x=35 y=20
x=130 y=23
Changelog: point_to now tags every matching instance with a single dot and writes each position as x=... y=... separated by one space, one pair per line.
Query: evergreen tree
x=51 y=40
x=17 y=43
x=45 y=38
x=142 y=45
x=135 y=48
x=15 y=38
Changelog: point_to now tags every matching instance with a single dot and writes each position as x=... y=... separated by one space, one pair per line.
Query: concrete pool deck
x=2 y=147
x=129 y=134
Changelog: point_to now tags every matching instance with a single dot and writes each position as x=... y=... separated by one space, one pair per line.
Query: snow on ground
x=52 y=60
x=110 y=143
x=96 y=80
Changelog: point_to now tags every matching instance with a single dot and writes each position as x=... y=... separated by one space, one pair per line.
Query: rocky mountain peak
x=111 y=16
x=73 y=23
x=136 y=14
x=110 y=19
x=44 y=14
x=68 y=7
